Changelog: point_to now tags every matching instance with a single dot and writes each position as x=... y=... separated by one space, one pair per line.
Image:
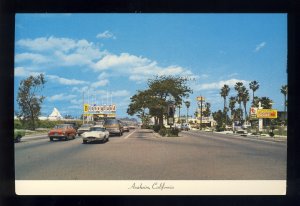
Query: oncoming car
x=96 y=133
x=84 y=128
x=62 y=131
x=113 y=126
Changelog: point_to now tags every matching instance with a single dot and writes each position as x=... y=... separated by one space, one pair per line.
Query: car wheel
x=84 y=141
x=51 y=138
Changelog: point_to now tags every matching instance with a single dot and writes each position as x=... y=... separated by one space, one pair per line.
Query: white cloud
x=65 y=81
x=260 y=46
x=100 y=83
x=61 y=97
x=21 y=72
x=106 y=35
x=219 y=85
x=35 y=58
x=69 y=52
x=61 y=51
x=125 y=60
x=51 y=43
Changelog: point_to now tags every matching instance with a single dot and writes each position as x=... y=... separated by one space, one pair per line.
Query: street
x=141 y=155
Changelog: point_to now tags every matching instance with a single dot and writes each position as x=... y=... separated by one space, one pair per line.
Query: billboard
x=267 y=113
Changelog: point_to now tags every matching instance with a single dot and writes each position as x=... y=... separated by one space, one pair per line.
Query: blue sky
x=115 y=54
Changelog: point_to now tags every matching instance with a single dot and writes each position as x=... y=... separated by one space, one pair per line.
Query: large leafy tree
x=30 y=101
x=254 y=85
x=160 y=90
x=284 y=91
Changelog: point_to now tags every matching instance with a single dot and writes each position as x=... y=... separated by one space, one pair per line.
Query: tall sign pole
x=260 y=120
x=83 y=107
x=200 y=100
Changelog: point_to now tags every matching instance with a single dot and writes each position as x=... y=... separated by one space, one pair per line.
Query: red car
x=62 y=131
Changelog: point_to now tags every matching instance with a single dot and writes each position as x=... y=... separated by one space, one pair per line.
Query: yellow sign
x=86 y=107
x=106 y=115
x=267 y=113
x=200 y=98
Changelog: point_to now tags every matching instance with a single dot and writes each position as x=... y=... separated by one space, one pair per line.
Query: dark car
x=18 y=134
x=74 y=125
x=113 y=126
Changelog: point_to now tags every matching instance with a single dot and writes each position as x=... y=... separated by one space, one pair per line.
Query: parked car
x=84 y=128
x=185 y=126
x=62 y=131
x=18 y=134
x=113 y=126
x=96 y=133
x=131 y=127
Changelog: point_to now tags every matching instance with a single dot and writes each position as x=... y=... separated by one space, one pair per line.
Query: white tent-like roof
x=55 y=115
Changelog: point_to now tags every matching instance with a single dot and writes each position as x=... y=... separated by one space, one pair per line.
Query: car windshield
x=111 y=121
x=101 y=129
x=59 y=126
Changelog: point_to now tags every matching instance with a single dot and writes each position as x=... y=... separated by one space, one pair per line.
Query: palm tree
x=238 y=87
x=266 y=102
x=284 y=91
x=207 y=112
x=245 y=99
x=179 y=106
x=187 y=104
x=253 y=86
x=232 y=101
x=224 y=93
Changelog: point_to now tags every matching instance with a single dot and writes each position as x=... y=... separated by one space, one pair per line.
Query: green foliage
x=154 y=99
x=173 y=132
x=163 y=131
x=220 y=119
x=17 y=124
x=156 y=128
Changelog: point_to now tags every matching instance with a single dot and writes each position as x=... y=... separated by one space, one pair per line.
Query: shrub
x=173 y=132
x=162 y=131
x=271 y=134
x=156 y=128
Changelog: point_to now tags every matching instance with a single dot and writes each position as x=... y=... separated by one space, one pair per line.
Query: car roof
x=98 y=126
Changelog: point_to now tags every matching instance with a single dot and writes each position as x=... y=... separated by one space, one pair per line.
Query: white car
x=96 y=133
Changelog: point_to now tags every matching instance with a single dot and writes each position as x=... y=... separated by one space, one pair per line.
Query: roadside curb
x=256 y=137
x=33 y=137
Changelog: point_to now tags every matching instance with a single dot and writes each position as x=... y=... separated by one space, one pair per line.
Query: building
x=55 y=115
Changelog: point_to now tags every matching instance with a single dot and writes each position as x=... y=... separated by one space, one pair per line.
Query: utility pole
x=82 y=107
x=201 y=113
x=200 y=100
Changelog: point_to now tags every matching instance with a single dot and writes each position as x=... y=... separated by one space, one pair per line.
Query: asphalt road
x=141 y=155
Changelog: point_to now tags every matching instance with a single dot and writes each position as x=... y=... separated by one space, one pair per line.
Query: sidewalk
x=276 y=138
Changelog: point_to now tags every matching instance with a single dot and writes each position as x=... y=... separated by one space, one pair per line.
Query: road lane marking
x=129 y=134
